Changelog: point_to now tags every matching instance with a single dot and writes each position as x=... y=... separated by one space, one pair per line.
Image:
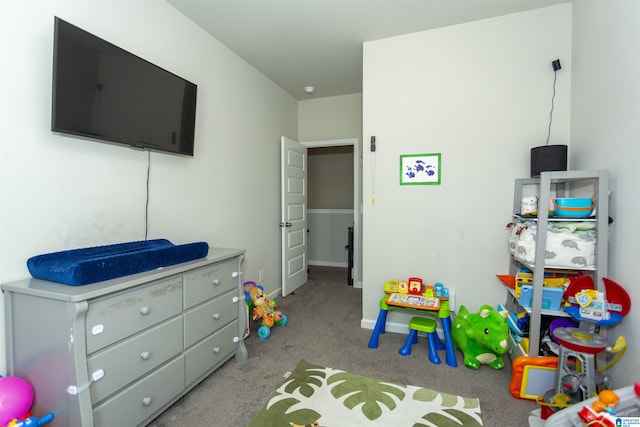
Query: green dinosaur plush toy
x=482 y=337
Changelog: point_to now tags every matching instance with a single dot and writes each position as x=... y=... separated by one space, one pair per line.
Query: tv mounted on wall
x=103 y=92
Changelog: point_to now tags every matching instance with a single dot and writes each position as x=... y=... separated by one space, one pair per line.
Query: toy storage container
x=551 y=297
x=573 y=207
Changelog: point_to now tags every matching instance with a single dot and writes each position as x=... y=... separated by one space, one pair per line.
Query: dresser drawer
x=138 y=402
x=209 y=317
x=114 y=318
x=123 y=363
x=208 y=282
x=212 y=350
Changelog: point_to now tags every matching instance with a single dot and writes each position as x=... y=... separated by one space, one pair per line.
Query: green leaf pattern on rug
x=340 y=399
x=448 y=400
x=457 y=419
x=370 y=392
x=273 y=415
x=305 y=379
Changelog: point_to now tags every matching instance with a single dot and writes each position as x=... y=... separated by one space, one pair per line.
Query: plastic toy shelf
x=532 y=266
x=552 y=218
x=547 y=187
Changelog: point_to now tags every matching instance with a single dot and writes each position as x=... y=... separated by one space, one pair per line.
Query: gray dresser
x=119 y=352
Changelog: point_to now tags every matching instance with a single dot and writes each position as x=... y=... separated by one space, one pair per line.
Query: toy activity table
x=413 y=304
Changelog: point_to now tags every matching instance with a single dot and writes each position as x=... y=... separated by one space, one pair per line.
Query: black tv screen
x=103 y=92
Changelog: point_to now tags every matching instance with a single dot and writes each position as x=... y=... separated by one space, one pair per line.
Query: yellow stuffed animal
x=263 y=310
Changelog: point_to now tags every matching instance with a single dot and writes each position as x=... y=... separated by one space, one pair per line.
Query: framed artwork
x=420 y=169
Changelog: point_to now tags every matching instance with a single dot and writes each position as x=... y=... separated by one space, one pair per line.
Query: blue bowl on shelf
x=573 y=207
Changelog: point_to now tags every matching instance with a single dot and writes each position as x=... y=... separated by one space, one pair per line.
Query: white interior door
x=293 y=214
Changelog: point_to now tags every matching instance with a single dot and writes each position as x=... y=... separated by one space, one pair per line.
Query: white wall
x=605 y=131
x=479 y=94
x=332 y=117
x=58 y=192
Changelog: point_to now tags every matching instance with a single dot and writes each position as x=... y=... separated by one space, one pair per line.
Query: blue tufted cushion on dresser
x=95 y=264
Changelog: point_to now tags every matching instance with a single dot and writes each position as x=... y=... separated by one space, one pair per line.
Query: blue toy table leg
x=438 y=342
x=433 y=353
x=450 y=352
x=412 y=338
x=380 y=325
x=445 y=320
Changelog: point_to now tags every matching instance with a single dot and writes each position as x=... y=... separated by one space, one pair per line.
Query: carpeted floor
x=324 y=329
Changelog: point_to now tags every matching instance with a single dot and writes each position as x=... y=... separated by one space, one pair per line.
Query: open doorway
x=334 y=211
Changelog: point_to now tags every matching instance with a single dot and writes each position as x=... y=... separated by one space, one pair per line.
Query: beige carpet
x=324 y=328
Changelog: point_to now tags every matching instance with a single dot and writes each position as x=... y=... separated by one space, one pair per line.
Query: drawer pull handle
x=216 y=282
x=235 y=300
x=216 y=350
x=236 y=274
x=145 y=355
x=97 y=375
x=146 y=401
x=97 y=329
x=216 y=316
x=144 y=310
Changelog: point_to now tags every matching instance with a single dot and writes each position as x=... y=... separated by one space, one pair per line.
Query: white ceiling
x=319 y=42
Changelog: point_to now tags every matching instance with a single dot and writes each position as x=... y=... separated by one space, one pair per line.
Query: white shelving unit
x=550 y=185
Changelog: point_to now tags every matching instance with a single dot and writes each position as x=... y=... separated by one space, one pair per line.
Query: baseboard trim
x=330 y=211
x=395 y=327
x=328 y=264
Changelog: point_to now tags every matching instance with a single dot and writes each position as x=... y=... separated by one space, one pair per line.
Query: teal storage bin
x=551 y=297
x=572 y=207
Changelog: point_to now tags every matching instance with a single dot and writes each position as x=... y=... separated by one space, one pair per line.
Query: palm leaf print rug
x=335 y=398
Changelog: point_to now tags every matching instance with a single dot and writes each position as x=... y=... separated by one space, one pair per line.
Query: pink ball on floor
x=16 y=398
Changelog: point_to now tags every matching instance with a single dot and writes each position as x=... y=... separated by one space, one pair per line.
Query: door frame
x=357 y=197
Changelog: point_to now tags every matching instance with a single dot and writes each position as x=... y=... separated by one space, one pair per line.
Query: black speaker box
x=548 y=158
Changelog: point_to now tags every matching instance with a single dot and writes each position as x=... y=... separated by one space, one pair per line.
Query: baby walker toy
x=263 y=309
x=577 y=378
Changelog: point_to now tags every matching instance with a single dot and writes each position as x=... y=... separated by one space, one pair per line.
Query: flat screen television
x=103 y=92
